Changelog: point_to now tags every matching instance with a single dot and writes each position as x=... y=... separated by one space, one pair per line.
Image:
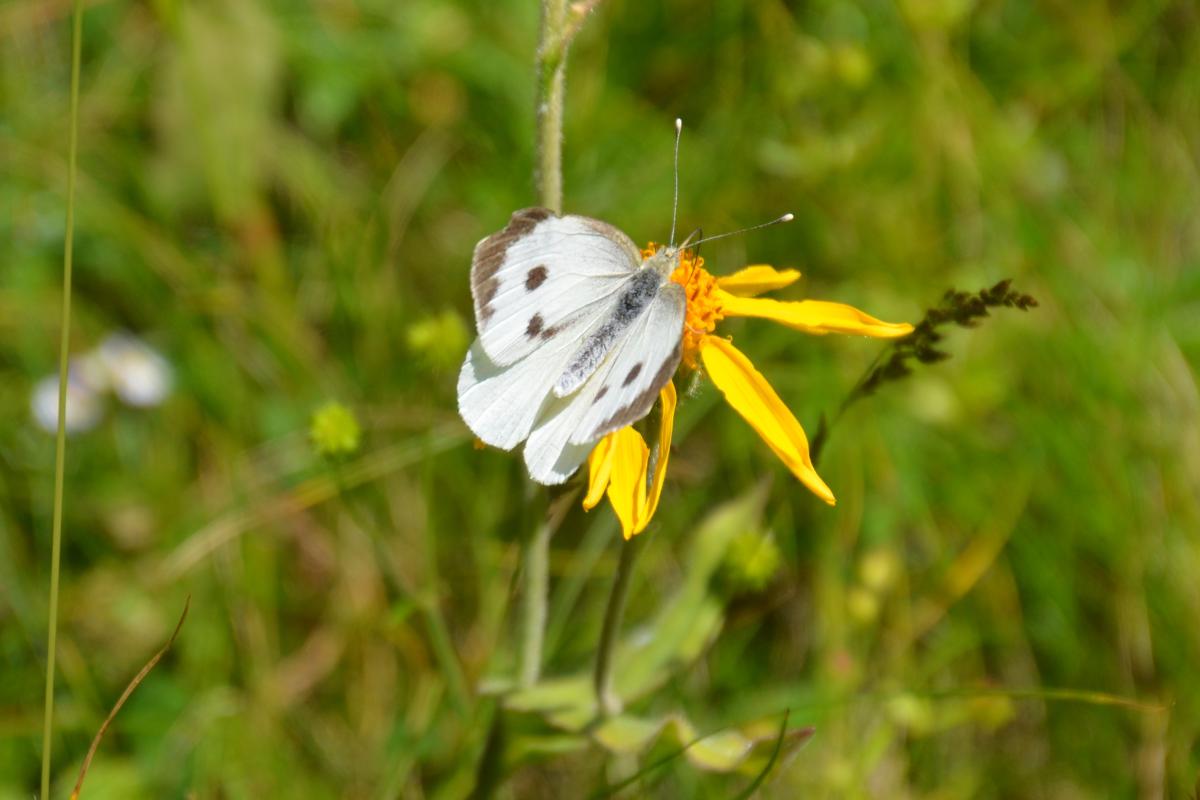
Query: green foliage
x=283 y=197
x=753 y=561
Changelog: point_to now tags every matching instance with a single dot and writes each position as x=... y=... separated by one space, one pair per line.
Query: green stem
x=60 y=450
x=607 y=701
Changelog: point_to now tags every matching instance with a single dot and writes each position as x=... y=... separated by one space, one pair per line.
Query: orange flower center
x=704 y=309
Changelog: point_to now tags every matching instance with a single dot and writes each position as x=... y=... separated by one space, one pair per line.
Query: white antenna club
x=675 y=207
x=784 y=218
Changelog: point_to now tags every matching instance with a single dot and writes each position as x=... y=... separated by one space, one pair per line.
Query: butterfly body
x=577 y=335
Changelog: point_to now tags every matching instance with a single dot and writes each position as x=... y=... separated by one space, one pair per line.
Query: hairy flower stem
x=607 y=701
x=536 y=574
x=547 y=176
x=552 y=79
x=60 y=450
x=535 y=564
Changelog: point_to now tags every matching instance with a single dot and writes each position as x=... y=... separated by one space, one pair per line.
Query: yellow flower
x=334 y=430
x=620 y=466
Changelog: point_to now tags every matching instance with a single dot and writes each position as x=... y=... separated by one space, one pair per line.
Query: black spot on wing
x=603 y=391
x=535 y=326
x=489 y=257
x=536 y=277
x=640 y=405
x=632 y=376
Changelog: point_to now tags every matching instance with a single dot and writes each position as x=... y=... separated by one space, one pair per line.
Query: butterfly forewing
x=545 y=277
x=576 y=338
x=629 y=306
x=569 y=427
x=625 y=388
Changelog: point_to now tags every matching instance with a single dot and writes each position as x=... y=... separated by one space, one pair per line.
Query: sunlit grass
x=284 y=199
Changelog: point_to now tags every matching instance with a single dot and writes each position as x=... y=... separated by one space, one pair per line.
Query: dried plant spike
x=964 y=309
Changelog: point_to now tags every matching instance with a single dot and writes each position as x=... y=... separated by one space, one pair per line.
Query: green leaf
x=684 y=627
x=692 y=617
x=762 y=776
x=725 y=750
x=568 y=703
x=626 y=734
x=527 y=747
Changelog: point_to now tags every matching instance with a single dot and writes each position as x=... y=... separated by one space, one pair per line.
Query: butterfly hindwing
x=545 y=277
x=501 y=404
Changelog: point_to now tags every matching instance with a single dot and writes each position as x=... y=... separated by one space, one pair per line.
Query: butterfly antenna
x=675 y=204
x=784 y=218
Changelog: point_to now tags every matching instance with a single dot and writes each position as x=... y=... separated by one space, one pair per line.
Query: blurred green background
x=282 y=198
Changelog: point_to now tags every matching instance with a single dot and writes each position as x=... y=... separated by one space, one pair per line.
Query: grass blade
x=133 y=684
x=766 y=770
x=60 y=447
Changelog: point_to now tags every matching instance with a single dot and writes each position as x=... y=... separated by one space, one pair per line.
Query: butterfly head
x=664 y=260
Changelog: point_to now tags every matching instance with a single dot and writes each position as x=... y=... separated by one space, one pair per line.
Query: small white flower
x=123 y=363
x=85 y=401
x=138 y=374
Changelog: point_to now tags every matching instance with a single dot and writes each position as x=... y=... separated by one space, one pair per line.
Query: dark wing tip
x=534 y=214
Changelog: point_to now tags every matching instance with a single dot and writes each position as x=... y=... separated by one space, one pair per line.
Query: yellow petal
x=751 y=396
x=756 y=279
x=627 y=488
x=599 y=470
x=813 y=316
x=668 y=399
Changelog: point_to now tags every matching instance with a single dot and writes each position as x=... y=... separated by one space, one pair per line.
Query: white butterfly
x=577 y=334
